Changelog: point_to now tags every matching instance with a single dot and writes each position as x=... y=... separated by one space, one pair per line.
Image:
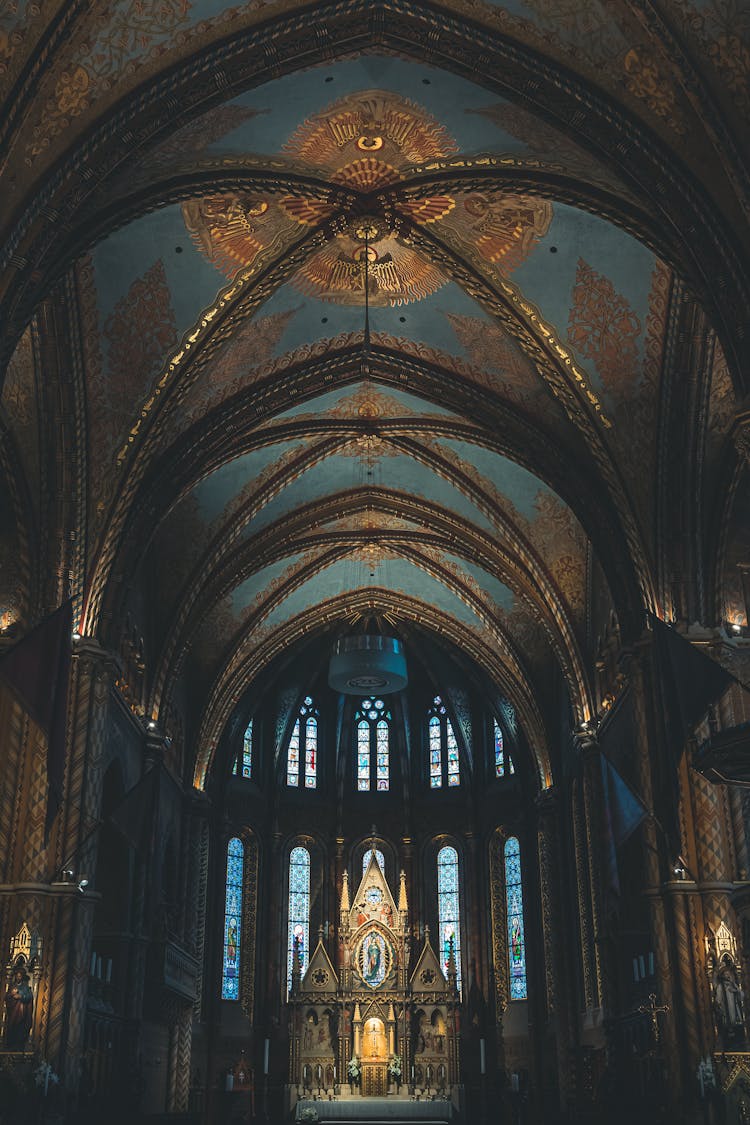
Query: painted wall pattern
x=721 y=31
x=603 y=327
x=121 y=358
x=21 y=412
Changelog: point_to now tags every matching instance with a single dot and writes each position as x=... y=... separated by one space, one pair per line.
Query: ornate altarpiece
x=370 y=1006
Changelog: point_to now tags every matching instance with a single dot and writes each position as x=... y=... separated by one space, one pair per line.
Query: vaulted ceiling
x=436 y=312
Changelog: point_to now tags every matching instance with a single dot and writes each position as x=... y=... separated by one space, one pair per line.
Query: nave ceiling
x=493 y=457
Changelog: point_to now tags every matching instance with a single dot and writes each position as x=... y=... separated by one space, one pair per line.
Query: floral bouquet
x=355 y=1072
x=309 y=1113
x=394 y=1069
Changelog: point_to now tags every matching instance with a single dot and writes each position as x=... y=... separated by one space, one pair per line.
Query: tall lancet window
x=448 y=909
x=514 y=909
x=299 y=910
x=243 y=763
x=302 y=752
x=503 y=761
x=372 y=726
x=230 y=977
x=444 y=767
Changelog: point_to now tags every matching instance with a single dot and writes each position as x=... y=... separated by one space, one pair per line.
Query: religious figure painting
x=728 y=1000
x=19 y=1007
x=374 y=959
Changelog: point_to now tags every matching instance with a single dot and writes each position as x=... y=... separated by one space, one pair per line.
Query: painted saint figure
x=372 y=967
x=19 y=1003
x=232 y=944
x=728 y=998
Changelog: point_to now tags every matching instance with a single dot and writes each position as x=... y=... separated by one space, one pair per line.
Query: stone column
x=76 y=847
x=636 y=666
x=554 y=938
x=588 y=747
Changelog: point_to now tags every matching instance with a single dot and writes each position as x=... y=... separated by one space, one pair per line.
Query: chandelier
x=365 y=663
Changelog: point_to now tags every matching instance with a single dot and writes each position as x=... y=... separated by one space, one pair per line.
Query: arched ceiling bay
x=372 y=320
x=493 y=291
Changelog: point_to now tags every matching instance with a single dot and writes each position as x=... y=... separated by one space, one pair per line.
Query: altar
x=361 y=1110
x=374 y=1024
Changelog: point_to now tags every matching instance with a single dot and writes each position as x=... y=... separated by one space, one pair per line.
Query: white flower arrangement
x=309 y=1113
x=354 y=1069
x=394 y=1068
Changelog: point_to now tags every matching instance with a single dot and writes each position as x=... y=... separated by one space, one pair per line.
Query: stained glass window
x=436 y=753
x=443 y=747
x=299 y=910
x=373 y=745
x=302 y=754
x=514 y=909
x=292 y=759
x=230 y=977
x=503 y=761
x=448 y=909
x=381 y=734
x=363 y=755
x=311 y=752
x=454 y=777
x=378 y=856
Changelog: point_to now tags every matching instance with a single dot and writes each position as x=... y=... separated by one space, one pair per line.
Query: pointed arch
x=230 y=976
x=298 y=926
x=449 y=909
x=515 y=922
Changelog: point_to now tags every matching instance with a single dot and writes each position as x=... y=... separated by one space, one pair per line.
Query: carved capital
x=586 y=740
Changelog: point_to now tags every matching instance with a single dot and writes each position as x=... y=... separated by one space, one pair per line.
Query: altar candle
x=229 y=1082
x=636 y=976
x=93 y=964
x=650 y=964
x=642 y=964
x=265 y=1055
x=109 y=970
x=482 y=1060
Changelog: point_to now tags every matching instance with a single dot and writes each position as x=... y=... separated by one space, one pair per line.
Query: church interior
x=375 y=561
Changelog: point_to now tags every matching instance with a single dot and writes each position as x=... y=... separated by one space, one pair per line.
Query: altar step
x=373 y=1111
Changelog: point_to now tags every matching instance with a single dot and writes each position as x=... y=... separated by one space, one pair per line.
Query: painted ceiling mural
x=163 y=271
x=364 y=141
x=353 y=338
x=114 y=48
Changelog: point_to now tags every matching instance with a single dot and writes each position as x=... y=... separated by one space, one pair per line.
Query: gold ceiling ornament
x=232 y=230
x=368 y=142
x=371 y=121
x=397 y=273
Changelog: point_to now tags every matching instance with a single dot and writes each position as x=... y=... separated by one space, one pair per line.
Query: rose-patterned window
x=298 y=941
x=514 y=911
x=243 y=763
x=302 y=752
x=503 y=761
x=230 y=978
x=448 y=909
x=443 y=748
x=372 y=726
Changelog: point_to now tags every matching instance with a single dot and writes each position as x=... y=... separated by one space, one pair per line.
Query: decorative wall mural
x=364 y=142
x=603 y=326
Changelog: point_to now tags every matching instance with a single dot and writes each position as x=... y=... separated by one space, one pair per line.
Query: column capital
x=546 y=800
x=586 y=739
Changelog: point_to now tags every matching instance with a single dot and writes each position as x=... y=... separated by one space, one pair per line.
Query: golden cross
x=653 y=1009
